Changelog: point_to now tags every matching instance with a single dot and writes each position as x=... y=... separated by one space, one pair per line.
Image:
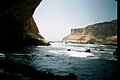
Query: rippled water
x=95 y=65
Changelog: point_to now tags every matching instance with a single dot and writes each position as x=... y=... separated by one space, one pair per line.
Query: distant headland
x=99 y=33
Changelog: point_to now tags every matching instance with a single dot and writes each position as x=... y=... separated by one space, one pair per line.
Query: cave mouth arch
x=18 y=28
x=47 y=13
x=17 y=25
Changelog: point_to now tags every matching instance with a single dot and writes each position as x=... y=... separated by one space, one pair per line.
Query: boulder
x=115 y=54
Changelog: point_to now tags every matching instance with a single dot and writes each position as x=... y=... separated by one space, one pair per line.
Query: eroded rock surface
x=17 y=23
x=103 y=33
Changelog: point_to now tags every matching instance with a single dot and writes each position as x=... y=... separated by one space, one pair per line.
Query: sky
x=56 y=18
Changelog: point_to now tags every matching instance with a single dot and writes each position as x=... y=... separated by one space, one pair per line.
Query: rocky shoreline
x=10 y=70
x=99 y=33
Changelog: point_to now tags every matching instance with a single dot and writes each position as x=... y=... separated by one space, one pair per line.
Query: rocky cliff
x=101 y=33
x=17 y=26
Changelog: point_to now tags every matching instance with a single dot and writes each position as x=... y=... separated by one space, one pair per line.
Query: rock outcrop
x=101 y=33
x=10 y=70
x=17 y=26
x=115 y=53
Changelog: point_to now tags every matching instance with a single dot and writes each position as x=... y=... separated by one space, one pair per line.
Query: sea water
x=98 y=64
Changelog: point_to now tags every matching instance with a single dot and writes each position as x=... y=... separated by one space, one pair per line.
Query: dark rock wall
x=16 y=22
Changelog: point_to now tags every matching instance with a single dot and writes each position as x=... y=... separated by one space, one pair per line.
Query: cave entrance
x=55 y=18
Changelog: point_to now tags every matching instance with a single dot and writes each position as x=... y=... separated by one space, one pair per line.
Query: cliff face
x=17 y=27
x=103 y=33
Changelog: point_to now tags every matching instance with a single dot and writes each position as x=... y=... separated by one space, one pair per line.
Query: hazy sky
x=55 y=18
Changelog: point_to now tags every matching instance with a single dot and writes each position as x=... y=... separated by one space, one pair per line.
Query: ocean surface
x=99 y=64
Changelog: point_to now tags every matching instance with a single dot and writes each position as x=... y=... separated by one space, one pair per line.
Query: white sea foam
x=80 y=54
x=78 y=50
x=73 y=53
x=2 y=55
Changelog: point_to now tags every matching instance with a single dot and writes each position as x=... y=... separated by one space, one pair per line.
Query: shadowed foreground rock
x=115 y=54
x=17 y=25
x=12 y=71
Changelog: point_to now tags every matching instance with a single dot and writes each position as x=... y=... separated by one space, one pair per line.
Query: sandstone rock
x=111 y=40
x=32 y=35
x=16 y=22
x=101 y=33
